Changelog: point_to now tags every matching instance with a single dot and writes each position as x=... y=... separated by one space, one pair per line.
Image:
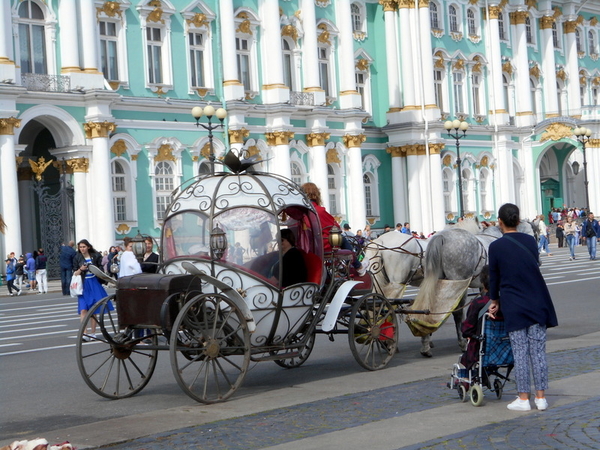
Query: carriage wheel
x=113 y=364
x=373 y=331
x=210 y=348
x=302 y=356
x=476 y=395
x=498 y=388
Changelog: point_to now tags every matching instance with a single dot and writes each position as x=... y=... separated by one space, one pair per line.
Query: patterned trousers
x=529 y=347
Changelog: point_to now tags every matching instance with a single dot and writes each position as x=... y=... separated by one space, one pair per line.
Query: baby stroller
x=495 y=361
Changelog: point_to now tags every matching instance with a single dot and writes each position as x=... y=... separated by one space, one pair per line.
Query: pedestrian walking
x=66 y=255
x=590 y=231
x=560 y=233
x=41 y=274
x=10 y=277
x=543 y=243
x=571 y=236
x=19 y=272
x=517 y=287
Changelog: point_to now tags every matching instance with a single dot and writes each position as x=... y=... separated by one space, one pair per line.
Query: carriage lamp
x=583 y=135
x=462 y=126
x=139 y=246
x=218 y=242
x=209 y=112
x=335 y=237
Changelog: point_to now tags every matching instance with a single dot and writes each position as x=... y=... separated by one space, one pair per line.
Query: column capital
x=518 y=17
x=595 y=143
x=570 y=26
x=389 y=5
x=546 y=22
x=436 y=149
x=494 y=11
x=317 y=139
x=238 y=136
x=396 y=152
x=98 y=129
x=353 y=140
x=81 y=165
x=8 y=125
x=279 y=137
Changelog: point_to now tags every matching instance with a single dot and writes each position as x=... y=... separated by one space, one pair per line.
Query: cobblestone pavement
x=570 y=426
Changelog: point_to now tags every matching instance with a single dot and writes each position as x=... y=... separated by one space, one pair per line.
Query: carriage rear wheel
x=476 y=395
x=113 y=363
x=210 y=348
x=373 y=331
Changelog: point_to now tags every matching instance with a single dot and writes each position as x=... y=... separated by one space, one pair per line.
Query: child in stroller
x=488 y=351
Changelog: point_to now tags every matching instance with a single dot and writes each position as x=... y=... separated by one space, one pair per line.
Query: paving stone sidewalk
x=569 y=426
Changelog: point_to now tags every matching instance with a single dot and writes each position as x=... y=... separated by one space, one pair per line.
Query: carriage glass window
x=186 y=234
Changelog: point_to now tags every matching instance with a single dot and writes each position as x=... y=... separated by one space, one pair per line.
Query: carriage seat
x=314 y=267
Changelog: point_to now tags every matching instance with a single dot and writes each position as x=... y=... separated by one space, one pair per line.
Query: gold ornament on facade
x=596 y=81
x=8 y=125
x=201 y=92
x=484 y=161
x=252 y=150
x=403 y=4
x=245 y=27
x=362 y=65
x=447 y=161
x=459 y=65
x=195 y=158
x=546 y=22
x=395 y=152
x=518 y=17
x=205 y=151
x=98 y=129
x=503 y=4
x=199 y=20
x=593 y=21
x=353 y=140
x=556 y=131
x=582 y=79
x=325 y=36
x=595 y=143
x=507 y=67
x=531 y=4
x=134 y=157
x=110 y=9
x=238 y=136
x=119 y=148
x=291 y=31
x=535 y=71
x=18 y=160
x=424 y=4
x=436 y=149
x=557 y=12
x=114 y=85
x=317 y=139
x=81 y=165
x=39 y=167
x=570 y=26
x=473 y=2
x=561 y=74
x=159 y=91
x=165 y=153
x=156 y=15
x=439 y=63
x=332 y=157
x=123 y=228
x=580 y=19
x=494 y=12
x=275 y=138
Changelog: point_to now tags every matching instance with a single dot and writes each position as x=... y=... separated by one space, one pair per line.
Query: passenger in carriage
x=327 y=223
x=294 y=268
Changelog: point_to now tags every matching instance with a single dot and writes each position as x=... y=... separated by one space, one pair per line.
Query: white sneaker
x=19 y=293
x=519 y=405
x=541 y=403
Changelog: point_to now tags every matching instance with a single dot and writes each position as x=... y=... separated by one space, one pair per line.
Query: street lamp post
x=583 y=135
x=462 y=126
x=209 y=112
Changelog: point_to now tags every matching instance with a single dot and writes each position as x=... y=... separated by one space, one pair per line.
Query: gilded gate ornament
x=39 y=167
x=556 y=131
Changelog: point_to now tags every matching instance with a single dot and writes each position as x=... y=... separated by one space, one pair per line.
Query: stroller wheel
x=476 y=395
x=498 y=388
x=462 y=392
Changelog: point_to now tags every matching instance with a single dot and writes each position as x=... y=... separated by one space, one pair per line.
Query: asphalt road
x=42 y=390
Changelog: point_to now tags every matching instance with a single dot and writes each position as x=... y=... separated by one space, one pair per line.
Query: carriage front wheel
x=210 y=348
x=112 y=362
x=373 y=331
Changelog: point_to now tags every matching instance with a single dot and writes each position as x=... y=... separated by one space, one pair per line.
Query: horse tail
x=433 y=268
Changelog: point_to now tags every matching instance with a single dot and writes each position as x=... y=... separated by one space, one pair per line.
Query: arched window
x=164 y=183
x=332 y=191
x=477 y=94
x=578 y=41
x=501 y=29
x=438 y=81
x=471 y=22
x=32 y=38
x=325 y=70
x=484 y=190
x=434 y=16
x=297 y=174
x=506 y=90
x=368 y=184
x=453 y=19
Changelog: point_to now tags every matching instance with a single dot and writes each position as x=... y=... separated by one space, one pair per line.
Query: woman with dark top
x=294 y=268
x=150 y=264
x=518 y=287
x=93 y=291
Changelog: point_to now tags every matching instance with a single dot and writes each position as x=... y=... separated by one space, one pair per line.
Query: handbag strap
x=523 y=247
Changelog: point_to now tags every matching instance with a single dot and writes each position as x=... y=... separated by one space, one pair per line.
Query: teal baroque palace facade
x=95 y=101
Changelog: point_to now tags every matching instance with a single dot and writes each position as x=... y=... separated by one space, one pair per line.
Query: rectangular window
x=439 y=90
x=243 y=59
x=459 y=106
x=108 y=50
x=154 y=47
x=118 y=184
x=324 y=70
x=197 y=59
x=162 y=203
x=120 y=208
x=476 y=91
x=333 y=209
x=287 y=70
x=368 y=203
x=360 y=87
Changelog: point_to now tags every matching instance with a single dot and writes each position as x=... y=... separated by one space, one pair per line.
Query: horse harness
x=399 y=249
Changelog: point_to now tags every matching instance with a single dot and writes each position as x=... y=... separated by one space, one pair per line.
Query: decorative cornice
x=98 y=129
x=39 y=167
x=238 y=136
x=165 y=153
x=436 y=149
x=556 y=131
x=332 y=157
x=353 y=140
x=275 y=138
x=546 y=22
x=119 y=148
x=81 y=165
x=594 y=143
x=8 y=125
x=389 y=5
x=317 y=139
x=518 y=17
x=424 y=4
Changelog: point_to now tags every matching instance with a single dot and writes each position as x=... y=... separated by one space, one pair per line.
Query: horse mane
x=469 y=224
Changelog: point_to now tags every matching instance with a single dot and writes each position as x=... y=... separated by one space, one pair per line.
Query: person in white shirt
x=128 y=263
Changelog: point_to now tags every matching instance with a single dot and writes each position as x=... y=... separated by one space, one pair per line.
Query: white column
x=498 y=108
x=438 y=220
x=524 y=108
x=8 y=183
x=232 y=87
x=89 y=32
x=349 y=96
x=7 y=63
x=103 y=226
x=407 y=61
x=549 y=67
x=310 y=56
x=414 y=194
x=398 y=185
x=425 y=191
x=357 y=212
x=425 y=44
x=279 y=141
x=572 y=68
x=273 y=90
x=504 y=173
x=592 y=154
x=318 y=156
x=69 y=38
x=82 y=215
x=391 y=54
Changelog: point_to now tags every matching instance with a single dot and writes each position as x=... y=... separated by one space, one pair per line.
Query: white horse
x=456 y=253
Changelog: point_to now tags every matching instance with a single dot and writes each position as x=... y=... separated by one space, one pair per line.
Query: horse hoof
x=427 y=354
